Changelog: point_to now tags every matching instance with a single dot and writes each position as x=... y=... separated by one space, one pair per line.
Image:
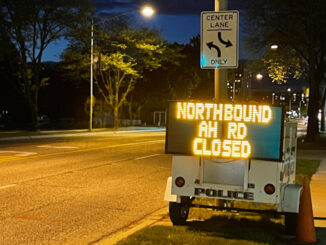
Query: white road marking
x=19 y=153
x=7 y=186
x=57 y=147
x=149 y=156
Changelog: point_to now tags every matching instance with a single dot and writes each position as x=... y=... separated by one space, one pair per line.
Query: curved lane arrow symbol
x=212 y=45
x=227 y=44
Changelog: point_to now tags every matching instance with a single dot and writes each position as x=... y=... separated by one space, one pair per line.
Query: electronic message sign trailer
x=242 y=152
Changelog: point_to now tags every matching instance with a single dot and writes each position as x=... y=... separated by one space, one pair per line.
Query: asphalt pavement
x=79 y=190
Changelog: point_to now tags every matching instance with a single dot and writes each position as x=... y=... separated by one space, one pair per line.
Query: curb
x=151 y=219
x=79 y=134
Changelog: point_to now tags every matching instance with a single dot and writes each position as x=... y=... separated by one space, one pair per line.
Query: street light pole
x=91 y=79
x=289 y=90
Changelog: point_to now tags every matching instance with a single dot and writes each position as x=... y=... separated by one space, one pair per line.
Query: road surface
x=78 y=190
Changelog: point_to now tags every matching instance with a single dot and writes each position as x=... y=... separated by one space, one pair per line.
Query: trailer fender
x=290 y=198
x=168 y=196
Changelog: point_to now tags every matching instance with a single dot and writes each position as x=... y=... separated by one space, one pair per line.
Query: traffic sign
x=219 y=39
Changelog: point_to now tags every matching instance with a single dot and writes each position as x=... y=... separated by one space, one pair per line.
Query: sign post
x=220 y=76
x=219 y=40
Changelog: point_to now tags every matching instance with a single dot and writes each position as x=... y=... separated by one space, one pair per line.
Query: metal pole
x=159 y=119
x=219 y=75
x=154 y=118
x=91 y=80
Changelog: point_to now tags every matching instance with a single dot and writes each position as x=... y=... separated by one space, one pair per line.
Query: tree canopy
x=299 y=29
x=28 y=29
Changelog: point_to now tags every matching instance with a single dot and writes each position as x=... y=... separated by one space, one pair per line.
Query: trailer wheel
x=179 y=212
x=291 y=223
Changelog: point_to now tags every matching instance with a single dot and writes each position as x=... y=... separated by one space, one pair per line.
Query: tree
x=121 y=65
x=123 y=55
x=180 y=77
x=299 y=27
x=30 y=28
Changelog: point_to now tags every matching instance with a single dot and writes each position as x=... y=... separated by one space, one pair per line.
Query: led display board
x=224 y=130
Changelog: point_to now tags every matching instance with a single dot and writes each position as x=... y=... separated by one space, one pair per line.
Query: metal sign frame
x=212 y=45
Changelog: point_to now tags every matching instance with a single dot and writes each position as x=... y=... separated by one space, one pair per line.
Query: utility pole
x=91 y=79
x=220 y=76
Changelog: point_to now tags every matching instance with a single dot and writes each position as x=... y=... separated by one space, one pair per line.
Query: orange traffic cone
x=306 y=229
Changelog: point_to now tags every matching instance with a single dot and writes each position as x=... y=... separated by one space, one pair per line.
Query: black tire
x=291 y=221
x=179 y=212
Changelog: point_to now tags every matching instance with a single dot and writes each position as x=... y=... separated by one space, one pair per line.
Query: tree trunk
x=33 y=111
x=323 y=108
x=312 y=130
x=130 y=109
x=116 y=117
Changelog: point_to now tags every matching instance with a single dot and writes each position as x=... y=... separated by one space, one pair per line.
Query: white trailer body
x=241 y=179
x=251 y=180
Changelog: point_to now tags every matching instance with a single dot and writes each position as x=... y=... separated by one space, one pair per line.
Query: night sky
x=177 y=20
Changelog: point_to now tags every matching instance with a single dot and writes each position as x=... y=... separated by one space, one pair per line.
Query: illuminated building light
x=267 y=114
x=227 y=148
x=203 y=129
x=218 y=111
x=196 y=149
x=208 y=107
x=182 y=110
x=199 y=111
x=212 y=129
x=232 y=130
x=228 y=111
x=256 y=113
x=216 y=147
x=238 y=113
x=191 y=111
x=236 y=145
x=245 y=149
x=242 y=131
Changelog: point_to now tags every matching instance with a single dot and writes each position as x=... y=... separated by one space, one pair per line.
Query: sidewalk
x=19 y=135
x=317 y=184
x=318 y=190
x=318 y=194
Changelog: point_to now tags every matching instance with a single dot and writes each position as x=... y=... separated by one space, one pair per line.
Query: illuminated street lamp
x=274 y=46
x=259 y=76
x=146 y=11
